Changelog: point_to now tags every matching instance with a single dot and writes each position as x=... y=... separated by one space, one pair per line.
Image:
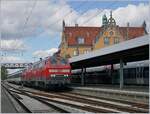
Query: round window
x=111 y=33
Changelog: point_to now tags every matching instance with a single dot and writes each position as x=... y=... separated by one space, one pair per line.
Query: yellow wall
x=100 y=43
x=70 y=50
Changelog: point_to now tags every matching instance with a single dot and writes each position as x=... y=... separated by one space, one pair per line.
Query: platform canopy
x=131 y=50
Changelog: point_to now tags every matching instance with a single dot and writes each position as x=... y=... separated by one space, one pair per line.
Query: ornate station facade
x=79 y=39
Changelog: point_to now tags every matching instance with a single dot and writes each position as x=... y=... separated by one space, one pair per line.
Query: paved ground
x=6 y=104
x=116 y=87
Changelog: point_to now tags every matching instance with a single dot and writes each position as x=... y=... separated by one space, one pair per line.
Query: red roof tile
x=90 y=33
x=133 y=32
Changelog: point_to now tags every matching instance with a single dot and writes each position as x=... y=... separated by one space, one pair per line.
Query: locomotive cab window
x=53 y=60
x=63 y=61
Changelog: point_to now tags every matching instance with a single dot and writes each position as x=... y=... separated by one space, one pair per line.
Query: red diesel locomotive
x=47 y=73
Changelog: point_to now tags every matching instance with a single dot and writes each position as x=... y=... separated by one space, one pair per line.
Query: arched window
x=88 y=34
x=111 y=33
x=75 y=52
x=116 y=40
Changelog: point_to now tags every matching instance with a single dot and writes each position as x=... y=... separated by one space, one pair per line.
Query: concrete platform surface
x=113 y=90
x=6 y=104
x=115 y=87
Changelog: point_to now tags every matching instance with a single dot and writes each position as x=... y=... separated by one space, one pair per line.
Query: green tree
x=4 y=73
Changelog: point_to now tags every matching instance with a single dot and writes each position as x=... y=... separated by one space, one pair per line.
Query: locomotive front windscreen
x=63 y=61
x=54 y=60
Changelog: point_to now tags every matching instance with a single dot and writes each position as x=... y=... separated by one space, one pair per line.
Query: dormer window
x=88 y=34
x=80 y=40
x=70 y=34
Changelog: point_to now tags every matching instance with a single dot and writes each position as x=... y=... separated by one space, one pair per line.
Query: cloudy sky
x=31 y=29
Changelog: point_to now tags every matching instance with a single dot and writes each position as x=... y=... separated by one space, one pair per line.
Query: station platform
x=136 y=88
x=138 y=93
x=6 y=104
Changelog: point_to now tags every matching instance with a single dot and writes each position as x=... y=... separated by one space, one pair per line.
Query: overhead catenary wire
x=80 y=5
x=83 y=13
x=99 y=12
x=70 y=12
x=27 y=19
x=0 y=32
x=28 y=16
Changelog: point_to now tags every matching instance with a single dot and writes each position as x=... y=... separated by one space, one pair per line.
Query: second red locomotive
x=47 y=73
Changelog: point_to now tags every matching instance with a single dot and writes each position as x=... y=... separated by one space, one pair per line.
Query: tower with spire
x=104 y=20
x=111 y=20
x=63 y=25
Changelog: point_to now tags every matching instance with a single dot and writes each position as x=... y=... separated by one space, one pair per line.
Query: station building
x=78 y=40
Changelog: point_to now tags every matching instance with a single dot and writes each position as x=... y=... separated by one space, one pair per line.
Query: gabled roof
x=90 y=33
x=133 y=32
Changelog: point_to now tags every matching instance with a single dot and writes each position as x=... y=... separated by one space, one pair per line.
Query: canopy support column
x=83 y=76
x=121 y=73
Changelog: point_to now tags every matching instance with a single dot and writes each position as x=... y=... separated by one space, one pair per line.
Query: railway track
x=133 y=104
x=19 y=96
x=88 y=103
x=24 y=108
x=81 y=106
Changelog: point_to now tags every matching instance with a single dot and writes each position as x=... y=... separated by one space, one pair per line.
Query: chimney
x=127 y=35
x=128 y=24
x=40 y=59
x=63 y=25
x=144 y=26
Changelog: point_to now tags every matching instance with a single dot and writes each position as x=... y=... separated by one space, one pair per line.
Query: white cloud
x=11 y=59
x=12 y=45
x=48 y=15
x=133 y=14
x=42 y=18
x=44 y=53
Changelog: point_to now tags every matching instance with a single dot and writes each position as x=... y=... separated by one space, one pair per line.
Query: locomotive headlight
x=53 y=75
x=66 y=75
